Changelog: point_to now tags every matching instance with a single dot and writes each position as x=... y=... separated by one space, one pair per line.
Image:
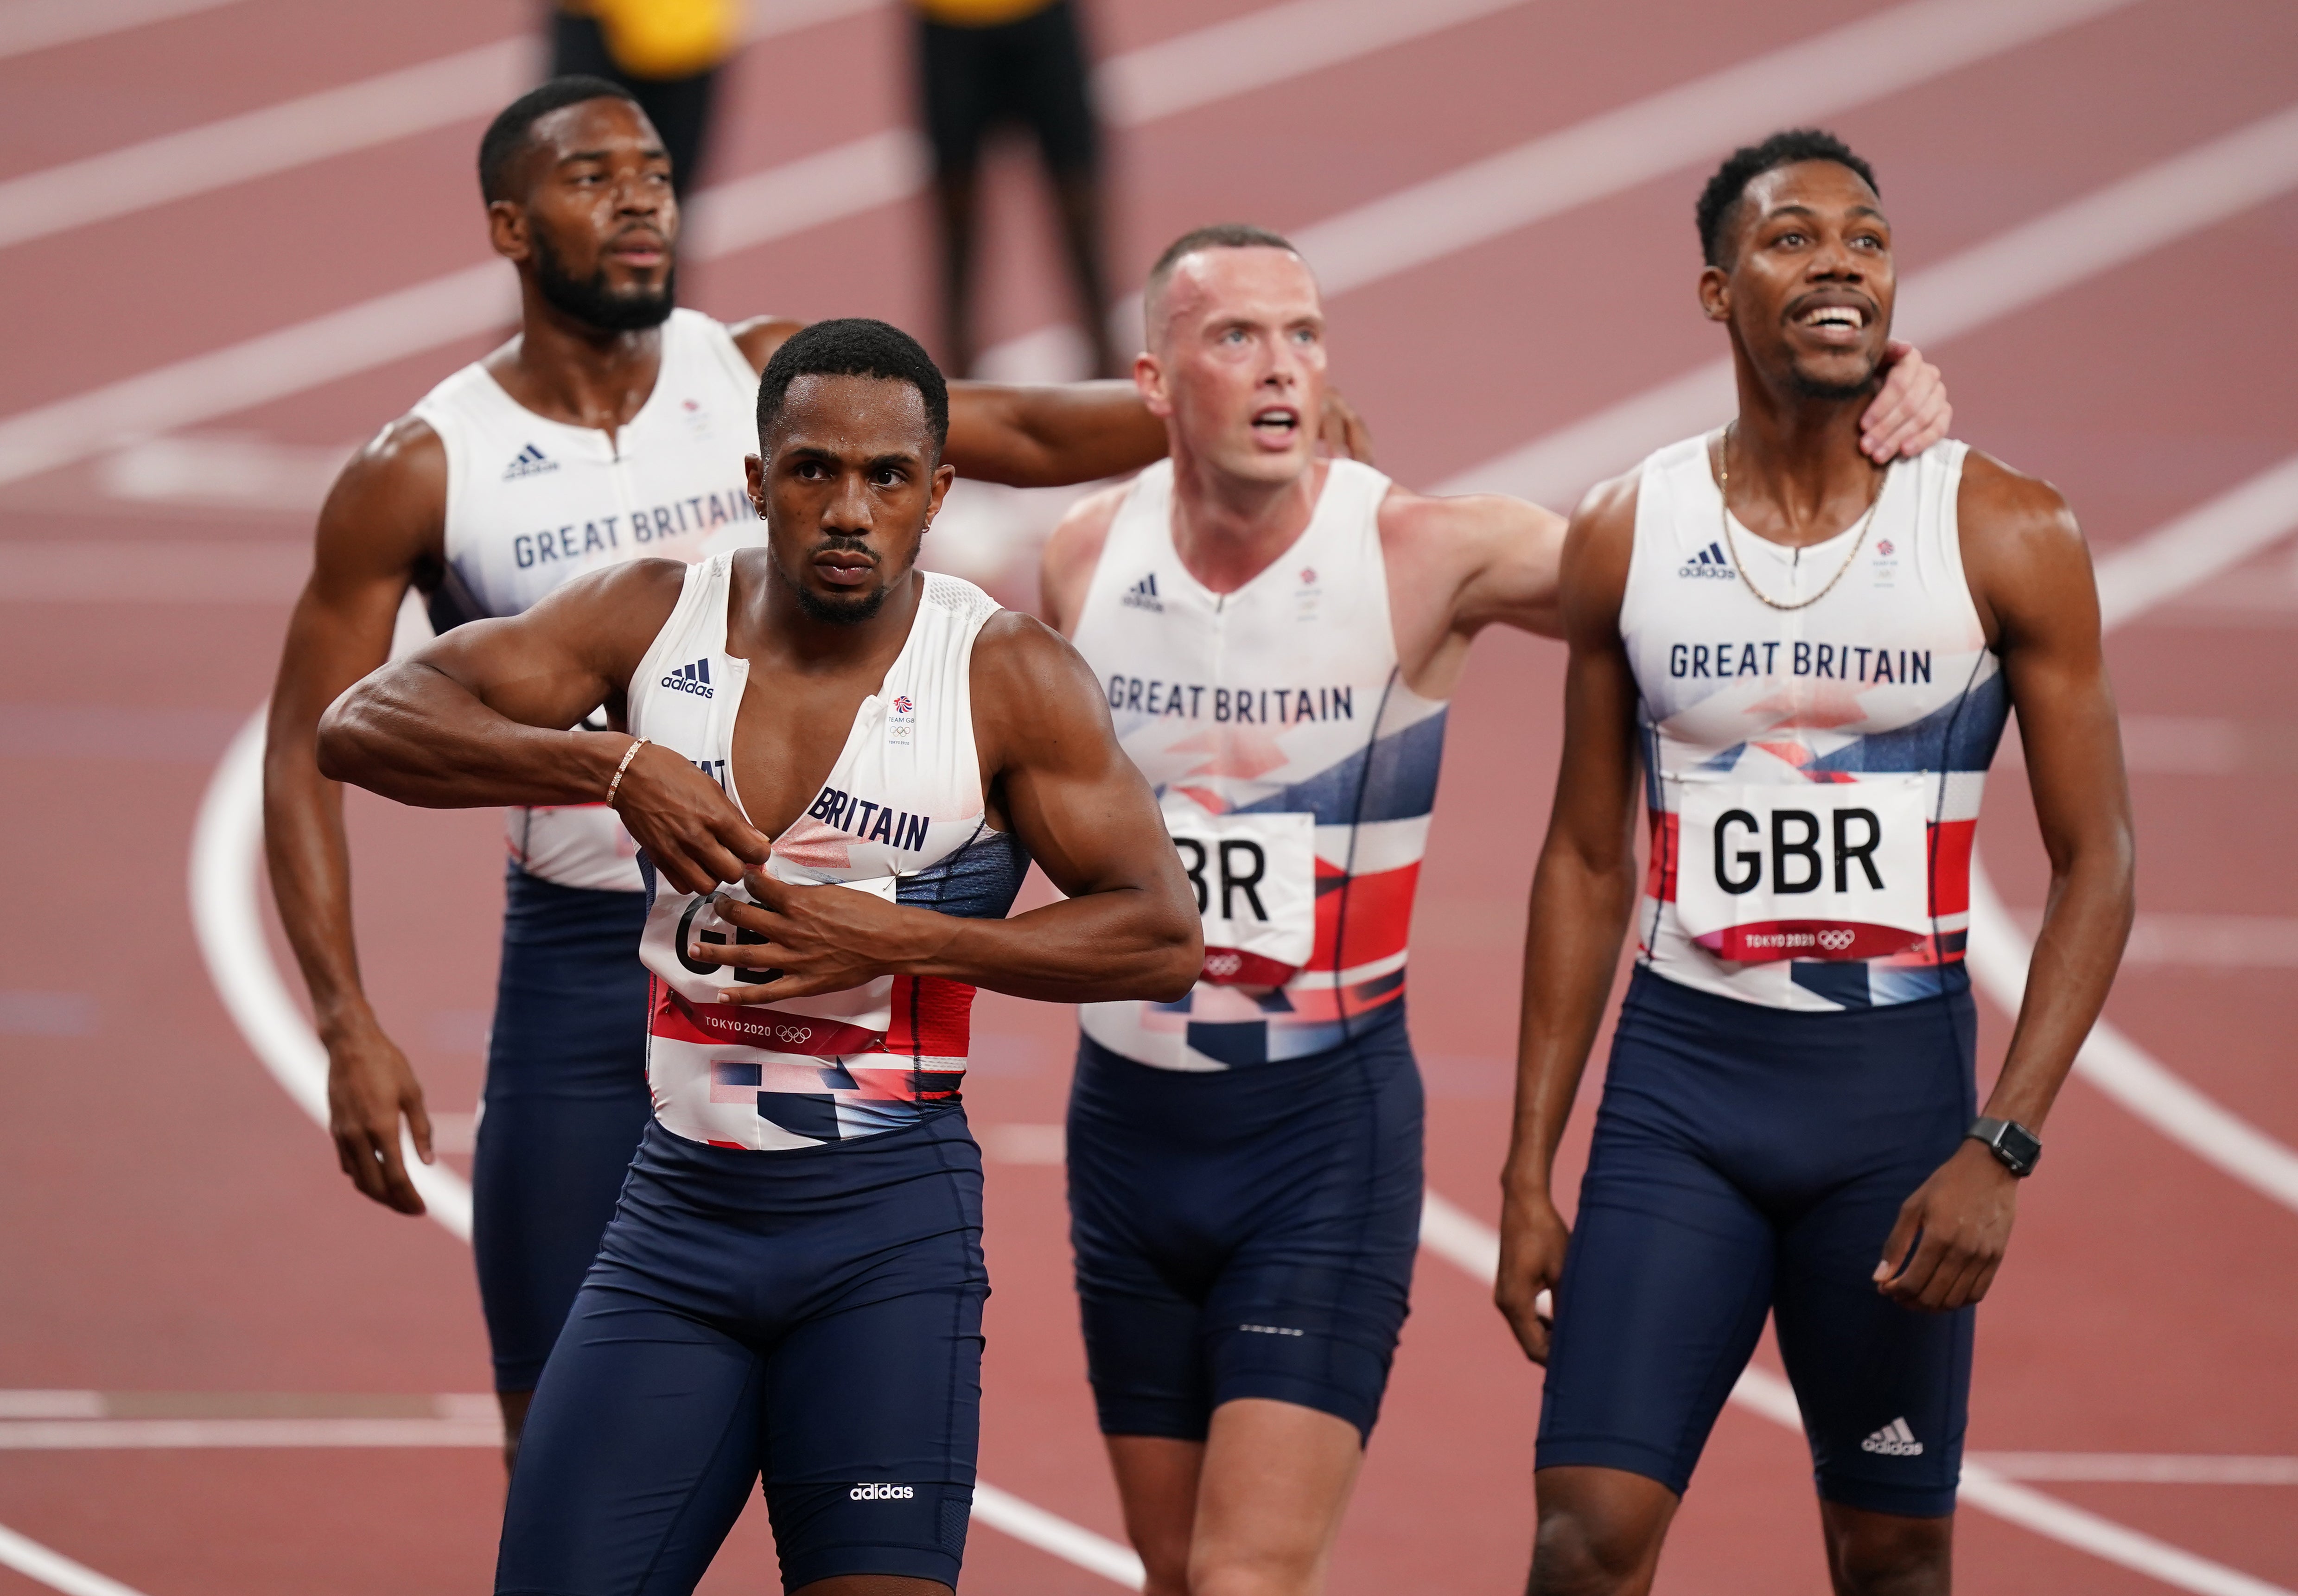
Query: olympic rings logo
x=1223 y=964
x=1835 y=940
x=793 y=1033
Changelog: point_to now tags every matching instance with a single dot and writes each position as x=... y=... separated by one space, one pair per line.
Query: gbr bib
x=901 y=816
x=1295 y=768
x=532 y=503
x=1814 y=774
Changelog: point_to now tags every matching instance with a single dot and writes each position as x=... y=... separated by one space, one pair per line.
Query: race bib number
x=1821 y=871
x=827 y=1024
x=1255 y=878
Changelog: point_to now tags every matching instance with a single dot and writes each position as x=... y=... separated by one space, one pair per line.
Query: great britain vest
x=1812 y=774
x=1295 y=770
x=900 y=814
x=532 y=503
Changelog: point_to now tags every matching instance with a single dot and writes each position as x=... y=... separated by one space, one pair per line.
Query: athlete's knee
x=1599 y=1532
x=1888 y=1554
x=1260 y=1571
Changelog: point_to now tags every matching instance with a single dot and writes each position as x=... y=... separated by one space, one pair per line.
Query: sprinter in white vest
x=792 y=1283
x=1802 y=661
x=612 y=428
x=1276 y=634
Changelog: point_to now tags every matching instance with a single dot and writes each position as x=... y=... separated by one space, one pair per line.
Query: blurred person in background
x=667 y=53
x=982 y=62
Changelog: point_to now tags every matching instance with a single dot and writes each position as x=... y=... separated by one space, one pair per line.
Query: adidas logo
x=690 y=678
x=1894 y=1439
x=529 y=461
x=880 y=1493
x=1143 y=595
x=1710 y=563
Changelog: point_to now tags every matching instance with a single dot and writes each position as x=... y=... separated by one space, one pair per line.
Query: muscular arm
x=380 y=528
x=2029 y=572
x=1583 y=893
x=1065 y=568
x=1127 y=926
x=479 y=717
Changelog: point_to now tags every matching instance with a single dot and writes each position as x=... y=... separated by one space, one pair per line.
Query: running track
x=177 y=1240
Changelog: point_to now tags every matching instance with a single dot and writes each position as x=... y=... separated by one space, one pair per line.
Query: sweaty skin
x=1809 y=234
x=596 y=190
x=1236 y=366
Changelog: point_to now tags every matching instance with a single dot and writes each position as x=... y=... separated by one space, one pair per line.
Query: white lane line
x=1071 y=1542
x=2211 y=539
x=1821 y=77
x=1156 y=81
x=1467 y=1242
x=2071 y=244
x=2213 y=941
x=225 y=859
x=54 y=1570
x=29 y=25
x=2127 y=1072
x=2140 y=1468
x=146 y=1435
x=214 y=155
x=844 y=181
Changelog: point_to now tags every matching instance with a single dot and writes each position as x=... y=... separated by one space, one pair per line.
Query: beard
x=590 y=301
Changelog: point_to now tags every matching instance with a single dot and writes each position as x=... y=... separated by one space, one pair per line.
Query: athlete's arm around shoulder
x=1072 y=554
x=481 y=717
x=382 y=528
x=1583 y=893
x=1458 y=565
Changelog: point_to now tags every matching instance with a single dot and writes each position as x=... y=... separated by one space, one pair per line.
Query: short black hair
x=1722 y=196
x=507 y=136
x=1220 y=236
x=855 y=346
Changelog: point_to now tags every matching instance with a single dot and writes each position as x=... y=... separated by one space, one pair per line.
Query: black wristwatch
x=2015 y=1148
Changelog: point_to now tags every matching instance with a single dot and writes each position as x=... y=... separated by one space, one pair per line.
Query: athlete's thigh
x=1309 y=1305
x=639 y=1453
x=873 y=1423
x=1885 y=1390
x=1144 y=1253
x=1663 y=1297
x=565 y=1105
x=1050 y=77
x=1275 y=1481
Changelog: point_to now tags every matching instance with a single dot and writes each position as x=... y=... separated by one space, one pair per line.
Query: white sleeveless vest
x=1813 y=775
x=901 y=816
x=532 y=503
x=1295 y=770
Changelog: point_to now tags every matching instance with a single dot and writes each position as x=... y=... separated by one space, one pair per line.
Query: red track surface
x=172 y=1223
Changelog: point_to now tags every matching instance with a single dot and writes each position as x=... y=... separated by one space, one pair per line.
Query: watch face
x=2022 y=1149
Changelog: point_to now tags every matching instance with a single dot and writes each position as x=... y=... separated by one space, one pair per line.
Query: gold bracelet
x=615 y=785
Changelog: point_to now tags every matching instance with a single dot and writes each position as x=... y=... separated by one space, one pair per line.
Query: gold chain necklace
x=1724 y=497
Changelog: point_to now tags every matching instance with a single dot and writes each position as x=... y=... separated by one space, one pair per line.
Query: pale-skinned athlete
x=792 y=1284
x=1276 y=634
x=613 y=427
x=1800 y=661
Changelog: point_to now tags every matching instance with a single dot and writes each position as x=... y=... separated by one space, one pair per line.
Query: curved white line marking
x=54 y=1570
x=2208 y=540
x=227 y=848
x=1467 y=1242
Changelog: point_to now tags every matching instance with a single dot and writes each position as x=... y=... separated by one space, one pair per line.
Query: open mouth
x=1835 y=321
x=1278 y=425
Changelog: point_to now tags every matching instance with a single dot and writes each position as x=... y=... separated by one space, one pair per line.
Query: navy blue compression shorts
x=566 y=1102
x=1244 y=1233
x=1750 y=1159
x=812 y=1317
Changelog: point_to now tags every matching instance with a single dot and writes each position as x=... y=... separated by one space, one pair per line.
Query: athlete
x=1276 y=634
x=793 y=1279
x=1811 y=656
x=612 y=428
